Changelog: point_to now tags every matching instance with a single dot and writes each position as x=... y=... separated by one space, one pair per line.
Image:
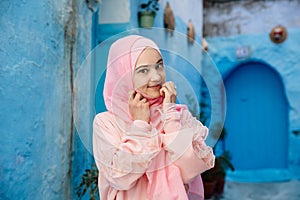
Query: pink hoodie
x=141 y=161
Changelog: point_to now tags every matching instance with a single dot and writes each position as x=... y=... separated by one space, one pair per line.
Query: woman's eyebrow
x=141 y=66
x=160 y=60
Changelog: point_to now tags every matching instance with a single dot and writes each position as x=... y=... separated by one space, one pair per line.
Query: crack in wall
x=70 y=38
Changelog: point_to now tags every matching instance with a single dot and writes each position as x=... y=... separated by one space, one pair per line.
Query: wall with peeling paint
x=248 y=17
x=284 y=59
x=234 y=24
x=42 y=46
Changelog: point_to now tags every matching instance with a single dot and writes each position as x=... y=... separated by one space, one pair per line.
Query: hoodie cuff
x=140 y=126
x=171 y=118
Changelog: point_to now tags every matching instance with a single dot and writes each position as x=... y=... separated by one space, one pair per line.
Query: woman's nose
x=155 y=75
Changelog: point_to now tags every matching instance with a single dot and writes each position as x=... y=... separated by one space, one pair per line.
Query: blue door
x=256 y=119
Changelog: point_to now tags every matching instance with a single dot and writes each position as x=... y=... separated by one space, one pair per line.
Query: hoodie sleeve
x=184 y=139
x=123 y=157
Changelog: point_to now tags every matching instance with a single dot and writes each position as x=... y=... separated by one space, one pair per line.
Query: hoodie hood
x=122 y=58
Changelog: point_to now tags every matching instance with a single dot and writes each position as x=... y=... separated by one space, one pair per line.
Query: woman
x=145 y=146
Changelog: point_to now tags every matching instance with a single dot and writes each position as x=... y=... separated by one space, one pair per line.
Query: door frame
x=263 y=175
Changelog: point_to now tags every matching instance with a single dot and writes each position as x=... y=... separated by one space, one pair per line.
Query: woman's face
x=149 y=73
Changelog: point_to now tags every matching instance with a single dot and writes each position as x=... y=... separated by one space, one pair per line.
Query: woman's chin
x=154 y=94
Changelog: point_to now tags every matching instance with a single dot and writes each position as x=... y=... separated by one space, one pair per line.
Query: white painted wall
x=249 y=17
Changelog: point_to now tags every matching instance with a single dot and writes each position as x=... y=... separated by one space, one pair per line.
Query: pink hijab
x=121 y=62
x=122 y=57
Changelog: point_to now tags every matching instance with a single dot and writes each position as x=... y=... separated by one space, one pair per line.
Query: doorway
x=256 y=120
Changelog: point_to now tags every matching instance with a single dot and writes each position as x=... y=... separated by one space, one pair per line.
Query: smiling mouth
x=155 y=87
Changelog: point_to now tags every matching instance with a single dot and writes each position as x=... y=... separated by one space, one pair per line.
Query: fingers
x=131 y=95
x=169 y=91
x=144 y=100
x=169 y=87
x=136 y=97
x=139 y=98
x=138 y=106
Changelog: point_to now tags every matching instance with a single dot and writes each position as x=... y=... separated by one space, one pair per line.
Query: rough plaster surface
x=35 y=90
x=43 y=44
x=233 y=24
x=283 y=58
x=249 y=17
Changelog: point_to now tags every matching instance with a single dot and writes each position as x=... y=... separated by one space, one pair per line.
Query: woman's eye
x=159 y=65
x=143 y=71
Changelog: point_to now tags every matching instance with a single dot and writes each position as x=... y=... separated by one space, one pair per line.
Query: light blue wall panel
x=35 y=92
x=256 y=119
x=281 y=58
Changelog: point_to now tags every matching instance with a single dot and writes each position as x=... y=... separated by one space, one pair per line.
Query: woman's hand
x=138 y=107
x=169 y=91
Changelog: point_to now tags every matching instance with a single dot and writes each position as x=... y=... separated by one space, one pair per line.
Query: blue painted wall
x=228 y=26
x=283 y=59
x=42 y=46
x=193 y=11
x=47 y=100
